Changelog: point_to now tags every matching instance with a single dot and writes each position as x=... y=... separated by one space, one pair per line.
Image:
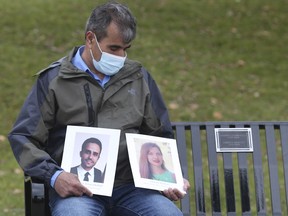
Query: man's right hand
x=68 y=184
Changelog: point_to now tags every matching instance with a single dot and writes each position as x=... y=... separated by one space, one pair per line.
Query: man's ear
x=90 y=37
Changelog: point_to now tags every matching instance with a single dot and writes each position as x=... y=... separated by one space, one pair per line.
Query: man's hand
x=175 y=194
x=68 y=184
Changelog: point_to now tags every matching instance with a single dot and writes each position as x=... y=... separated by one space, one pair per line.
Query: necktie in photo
x=86 y=176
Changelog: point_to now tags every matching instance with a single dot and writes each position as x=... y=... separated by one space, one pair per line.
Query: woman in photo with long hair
x=152 y=165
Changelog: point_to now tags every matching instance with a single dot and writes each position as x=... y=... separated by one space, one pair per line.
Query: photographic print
x=91 y=153
x=154 y=162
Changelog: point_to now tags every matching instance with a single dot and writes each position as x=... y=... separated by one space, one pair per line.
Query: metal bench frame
x=259 y=186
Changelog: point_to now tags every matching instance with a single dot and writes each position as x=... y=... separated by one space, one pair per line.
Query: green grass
x=213 y=60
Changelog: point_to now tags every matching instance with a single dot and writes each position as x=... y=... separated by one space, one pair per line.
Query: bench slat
x=213 y=170
x=258 y=171
x=181 y=142
x=273 y=170
x=284 y=141
x=244 y=180
x=198 y=169
x=229 y=182
x=229 y=179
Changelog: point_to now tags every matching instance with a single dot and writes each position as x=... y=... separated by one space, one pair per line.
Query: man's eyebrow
x=119 y=47
x=128 y=46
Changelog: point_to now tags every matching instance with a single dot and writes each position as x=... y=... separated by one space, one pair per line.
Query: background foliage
x=213 y=60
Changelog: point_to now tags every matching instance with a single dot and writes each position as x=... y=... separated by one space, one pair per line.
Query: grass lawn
x=213 y=60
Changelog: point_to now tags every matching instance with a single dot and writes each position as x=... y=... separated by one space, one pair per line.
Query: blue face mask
x=108 y=64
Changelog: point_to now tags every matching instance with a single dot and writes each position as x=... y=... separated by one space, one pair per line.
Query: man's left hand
x=175 y=194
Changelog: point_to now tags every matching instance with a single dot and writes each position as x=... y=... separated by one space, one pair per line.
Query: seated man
x=95 y=85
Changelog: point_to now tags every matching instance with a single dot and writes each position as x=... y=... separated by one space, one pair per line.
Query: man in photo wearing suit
x=90 y=154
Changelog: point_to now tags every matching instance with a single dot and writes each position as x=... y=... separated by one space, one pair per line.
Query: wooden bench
x=222 y=183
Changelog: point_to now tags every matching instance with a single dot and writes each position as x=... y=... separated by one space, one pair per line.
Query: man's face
x=112 y=43
x=89 y=156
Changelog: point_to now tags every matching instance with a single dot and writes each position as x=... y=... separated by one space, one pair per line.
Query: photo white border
x=134 y=162
x=110 y=145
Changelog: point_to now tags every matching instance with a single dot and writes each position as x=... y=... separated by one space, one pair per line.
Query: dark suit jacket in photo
x=97 y=174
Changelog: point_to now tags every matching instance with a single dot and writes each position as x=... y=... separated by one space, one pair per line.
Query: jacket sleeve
x=158 y=105
x=29 y=135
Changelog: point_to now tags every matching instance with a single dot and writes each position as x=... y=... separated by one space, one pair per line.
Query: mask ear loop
x=91 y=52
x=98 y=43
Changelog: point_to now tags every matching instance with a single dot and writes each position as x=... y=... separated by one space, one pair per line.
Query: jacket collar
x=68 y=70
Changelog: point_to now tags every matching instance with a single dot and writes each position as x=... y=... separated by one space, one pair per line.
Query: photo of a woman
x=152 y=165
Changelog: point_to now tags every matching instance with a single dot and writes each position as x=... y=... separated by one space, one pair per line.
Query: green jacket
x=64 y=95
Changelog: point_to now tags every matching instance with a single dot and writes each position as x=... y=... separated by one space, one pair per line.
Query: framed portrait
x=91 y=153
x=154 y=162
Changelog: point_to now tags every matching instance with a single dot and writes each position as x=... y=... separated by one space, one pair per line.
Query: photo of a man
x=89 y=154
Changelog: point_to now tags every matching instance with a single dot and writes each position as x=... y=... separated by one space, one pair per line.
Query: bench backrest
x=229 y=183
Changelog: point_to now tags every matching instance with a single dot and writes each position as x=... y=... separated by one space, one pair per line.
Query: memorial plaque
x=233 y=140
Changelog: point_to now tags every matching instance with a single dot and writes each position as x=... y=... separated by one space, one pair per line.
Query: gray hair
x=103 y=15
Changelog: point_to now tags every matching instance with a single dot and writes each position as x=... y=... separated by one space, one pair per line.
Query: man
x=95 y=85
x=89 y=154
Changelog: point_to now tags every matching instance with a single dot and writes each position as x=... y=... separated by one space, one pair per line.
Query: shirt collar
x=81 y=171
x=78 y=62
